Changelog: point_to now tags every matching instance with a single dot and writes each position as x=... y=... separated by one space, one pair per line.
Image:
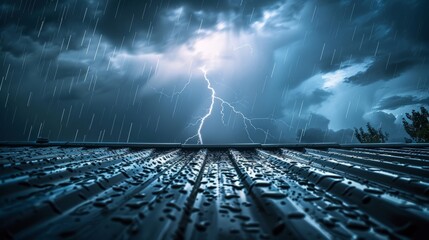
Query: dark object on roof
x=41 y=140
x=245 y=192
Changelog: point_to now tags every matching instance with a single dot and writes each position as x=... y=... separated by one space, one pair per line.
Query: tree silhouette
x=372 y=136
x=418 y=129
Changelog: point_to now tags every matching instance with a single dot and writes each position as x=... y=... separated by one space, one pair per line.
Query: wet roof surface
x=210 y=193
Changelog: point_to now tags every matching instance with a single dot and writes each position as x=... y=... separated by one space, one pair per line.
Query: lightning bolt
x=175 y=93
x=203 y=119
x=248 y=122
x=244 y=46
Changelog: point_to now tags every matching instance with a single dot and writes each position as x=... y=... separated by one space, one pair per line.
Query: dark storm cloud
x=318 y=96
x=46 y=21
x=385 y=68
x=408 y=18
x=55 y=57
x=67 y=69
x=389 y=124
x=395 y=102
x=308 y=100
x=120 y=21
x=318 y=131
x=318 y=121
x=392 y=33
x=17 y=45
x=389 y=36
x=73 y=95
x=164 y=22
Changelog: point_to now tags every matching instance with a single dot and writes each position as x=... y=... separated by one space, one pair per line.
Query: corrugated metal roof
x=210 y=192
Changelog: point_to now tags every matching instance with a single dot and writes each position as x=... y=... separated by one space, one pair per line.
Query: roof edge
x=211 y=146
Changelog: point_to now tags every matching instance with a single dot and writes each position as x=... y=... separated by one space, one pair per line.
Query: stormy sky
x=202 y=71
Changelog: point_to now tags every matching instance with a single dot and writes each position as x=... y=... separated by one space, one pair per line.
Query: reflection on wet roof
x=208 y=192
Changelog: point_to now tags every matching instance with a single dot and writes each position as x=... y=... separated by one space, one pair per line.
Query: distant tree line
x=372 y=135
x=416 y=125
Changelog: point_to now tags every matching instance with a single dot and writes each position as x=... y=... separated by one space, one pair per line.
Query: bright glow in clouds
x=221 y=51
x=333 y=79
x=274 y=19
x=230 y=55
x=213 y=49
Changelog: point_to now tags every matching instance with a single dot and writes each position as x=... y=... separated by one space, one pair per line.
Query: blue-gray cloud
x=395 y=102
